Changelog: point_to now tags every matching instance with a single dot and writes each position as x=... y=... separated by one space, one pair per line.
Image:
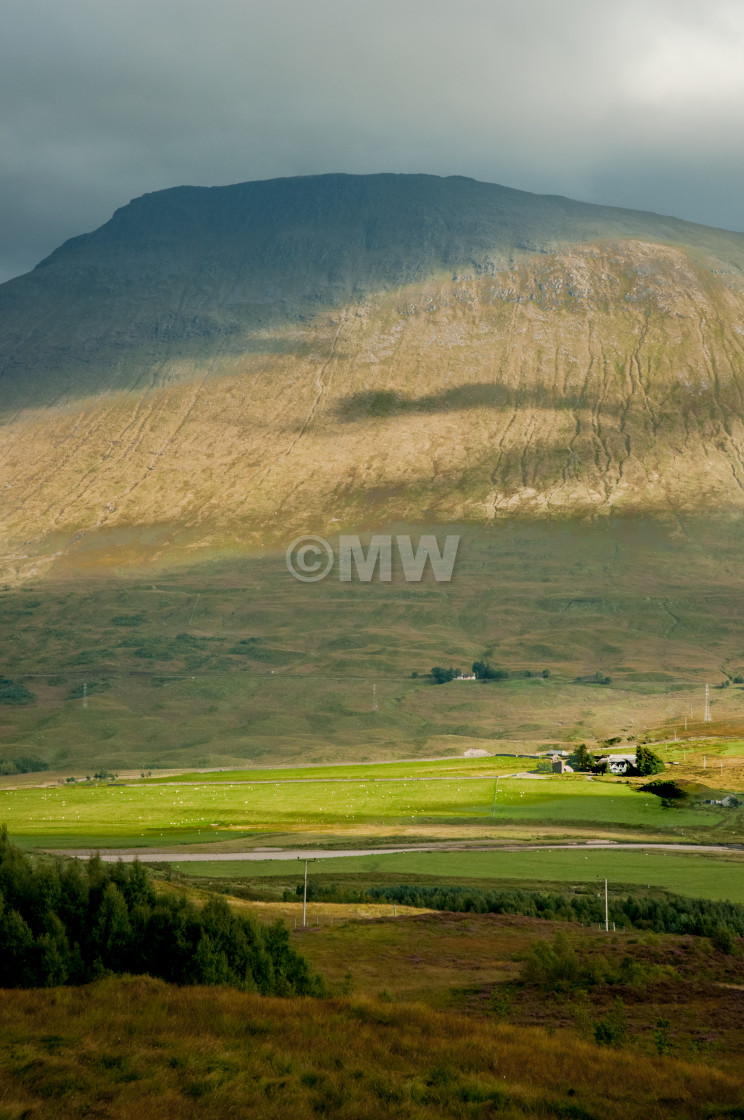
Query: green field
x=361 y=771
x=149 y=813
x=692 y=874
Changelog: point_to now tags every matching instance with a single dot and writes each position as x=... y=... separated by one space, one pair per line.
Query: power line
x=304 y=893
x=607 y=911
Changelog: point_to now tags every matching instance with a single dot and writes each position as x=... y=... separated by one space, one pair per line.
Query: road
x=260 y=855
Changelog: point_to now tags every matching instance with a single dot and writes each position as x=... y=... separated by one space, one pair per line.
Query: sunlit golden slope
x=577 y=377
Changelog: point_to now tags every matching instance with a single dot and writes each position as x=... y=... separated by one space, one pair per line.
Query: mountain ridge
x=229 y=365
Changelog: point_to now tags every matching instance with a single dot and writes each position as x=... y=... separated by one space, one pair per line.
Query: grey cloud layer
x=640 y=105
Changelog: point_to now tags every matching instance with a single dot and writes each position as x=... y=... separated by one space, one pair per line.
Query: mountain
x=216 y=368
x=215 y=371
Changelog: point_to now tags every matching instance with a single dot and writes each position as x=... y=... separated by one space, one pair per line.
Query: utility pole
x=607 y=911
x=85 y=694
x=707 y=718
x=374 y=697
x=304 y=893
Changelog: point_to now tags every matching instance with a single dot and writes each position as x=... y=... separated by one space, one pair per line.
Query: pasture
x=696 y=875
x=82 y=814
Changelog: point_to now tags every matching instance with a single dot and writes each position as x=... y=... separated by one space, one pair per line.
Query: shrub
x=661 y=1036
x=723 y=940
x=11 y=693
x=554 y=966
x=613 y=1029
x=500 y=1002
x=666 y=788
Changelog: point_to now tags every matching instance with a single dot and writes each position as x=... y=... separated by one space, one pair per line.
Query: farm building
x=560 y=766
x=619 y=763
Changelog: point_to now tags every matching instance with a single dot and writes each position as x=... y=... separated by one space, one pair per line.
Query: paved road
x=169 y=855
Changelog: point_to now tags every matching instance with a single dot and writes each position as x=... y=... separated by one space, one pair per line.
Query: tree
x=16 y=960
x=209 y=965
x=647 y=762
x=112 y=933
x=53 y=952
x=442 y=675
x=581 y=759
x=484 y=672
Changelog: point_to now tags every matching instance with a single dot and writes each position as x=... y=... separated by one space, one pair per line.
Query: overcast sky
x=633 y=102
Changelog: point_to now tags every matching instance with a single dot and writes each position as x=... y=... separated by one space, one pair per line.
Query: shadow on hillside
x=685 y=400
x=388 y=402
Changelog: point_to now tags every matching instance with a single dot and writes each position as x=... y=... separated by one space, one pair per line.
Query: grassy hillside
x=141 y=1046
x=235 y=662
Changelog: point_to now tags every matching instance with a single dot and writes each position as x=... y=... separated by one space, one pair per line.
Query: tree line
x=72 y=923
x=481 y=670
x=700 y=917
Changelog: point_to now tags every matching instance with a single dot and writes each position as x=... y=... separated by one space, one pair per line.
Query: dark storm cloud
x=637 y=104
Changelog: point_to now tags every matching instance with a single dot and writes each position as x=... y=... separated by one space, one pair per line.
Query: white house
x=619 y=763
